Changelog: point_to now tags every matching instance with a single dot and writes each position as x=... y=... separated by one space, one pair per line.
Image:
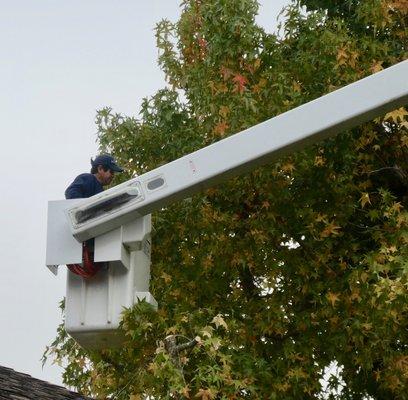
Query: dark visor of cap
x=115 y=167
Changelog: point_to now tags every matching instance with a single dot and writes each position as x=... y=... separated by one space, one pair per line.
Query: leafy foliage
x=266 y=280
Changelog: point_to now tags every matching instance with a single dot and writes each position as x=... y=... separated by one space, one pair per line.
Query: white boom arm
x=319 y=119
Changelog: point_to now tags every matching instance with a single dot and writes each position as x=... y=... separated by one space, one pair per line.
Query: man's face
x=105 y=177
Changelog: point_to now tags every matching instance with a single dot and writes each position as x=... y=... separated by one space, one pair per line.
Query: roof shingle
x=18 y=386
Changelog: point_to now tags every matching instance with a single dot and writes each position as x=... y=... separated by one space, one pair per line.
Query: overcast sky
x=61 y=61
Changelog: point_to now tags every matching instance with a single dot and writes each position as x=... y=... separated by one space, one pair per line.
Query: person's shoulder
x=87 y=177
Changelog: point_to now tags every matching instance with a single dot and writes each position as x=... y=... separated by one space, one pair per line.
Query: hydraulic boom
x=319 y=119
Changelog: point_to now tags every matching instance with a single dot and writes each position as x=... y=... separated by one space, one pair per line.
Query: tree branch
x=170 y=344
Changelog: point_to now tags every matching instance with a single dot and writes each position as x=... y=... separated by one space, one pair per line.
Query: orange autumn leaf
x=202 y=43
x=240 y=82
x=225 y=72
x=376 y=67
x=257 y=88
x=289 y=167
x=332 y=298
x=205 y=394
x=330 y=229
x=400 y=5
x=221 y=128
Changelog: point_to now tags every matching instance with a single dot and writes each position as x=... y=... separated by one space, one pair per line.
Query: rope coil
x=89 y=267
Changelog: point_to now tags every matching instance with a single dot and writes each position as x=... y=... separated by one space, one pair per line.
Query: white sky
x=61 y=61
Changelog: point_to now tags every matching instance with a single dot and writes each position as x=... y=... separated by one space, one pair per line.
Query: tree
x=265 y=280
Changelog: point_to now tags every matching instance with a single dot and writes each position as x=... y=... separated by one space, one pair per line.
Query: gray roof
x=17 y=386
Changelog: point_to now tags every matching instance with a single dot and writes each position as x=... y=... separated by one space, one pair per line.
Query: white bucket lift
x=93 y=306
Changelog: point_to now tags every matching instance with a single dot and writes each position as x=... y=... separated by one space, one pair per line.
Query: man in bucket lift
x=86 y=185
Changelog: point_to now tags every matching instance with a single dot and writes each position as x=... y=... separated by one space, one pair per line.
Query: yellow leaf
x=342 y=56
x=365 y=199
x=216 y=344
x=167 y=278
x=176 y=293
x=401 y=363
x=135 y=397
x=396 y=207
x=346 y=57
x=404 y=140
x=208 y=262
x=353 y=59
x=224 y=111
x=260 y=85
x=321 y=218
x=297 y=87
x=297 y=373
x=282 y=387
x=364 y=277
x=402 y=219
x=211 y=84
x=332 y=298
x=219 y=321
x=184 y=360
x=171 y=330
x=222 y=88
x=185 y=392
x=257 y=63
x=392 y=382
x=236 y=260
x=397 y=115
x=152 y=367
x=288 y=167
x=319 y=161
x=377 y=375
x=207 y=331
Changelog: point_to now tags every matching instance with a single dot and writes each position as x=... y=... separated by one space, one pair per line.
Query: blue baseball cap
x=107 y=161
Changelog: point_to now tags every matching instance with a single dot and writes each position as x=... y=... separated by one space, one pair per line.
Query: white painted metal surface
x=109 y=248
x=93 y=306
x=62 y=248
x=286 y=133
